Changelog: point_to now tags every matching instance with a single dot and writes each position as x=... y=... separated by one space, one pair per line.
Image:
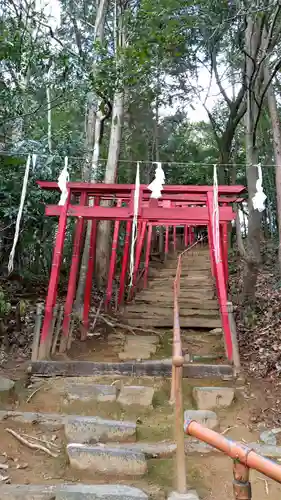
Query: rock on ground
x=207 y=398
x=6 y=387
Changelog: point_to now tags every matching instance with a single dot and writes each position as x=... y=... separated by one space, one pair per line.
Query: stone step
x=184 y=302
x=167 y=322
x=191 y=272
x=187 y=280
x=207 y=398
x=79 y=391
x=76 y=427
x=152 y=311
x=184 y=294
x=204 y=417
x=106 y=460
x=167 y=449
x=95 y=429
x=190 y=286
x=77 y=491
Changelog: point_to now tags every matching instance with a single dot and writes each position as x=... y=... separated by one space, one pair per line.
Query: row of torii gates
x=189 y=206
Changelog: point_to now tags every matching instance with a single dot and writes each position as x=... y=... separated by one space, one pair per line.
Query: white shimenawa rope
x=156 y=185
x=19 y=216
x=135 y=224
x=259 y=197
x=216 y=216
x=62 y=182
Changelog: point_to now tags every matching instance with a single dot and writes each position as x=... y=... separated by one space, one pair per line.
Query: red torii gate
x=179 y=205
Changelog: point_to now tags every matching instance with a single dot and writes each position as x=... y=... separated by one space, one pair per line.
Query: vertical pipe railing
x=176 y=389
x=176 y=397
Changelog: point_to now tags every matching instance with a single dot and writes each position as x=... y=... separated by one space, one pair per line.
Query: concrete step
x=106 y=460
x=77 y=491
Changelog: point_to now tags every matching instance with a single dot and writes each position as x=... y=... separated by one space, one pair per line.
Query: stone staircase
x=153 y=307
x=111 y=436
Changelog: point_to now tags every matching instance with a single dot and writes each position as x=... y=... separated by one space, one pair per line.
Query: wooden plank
x=125 y=188
x=192 y=215
x=145 y=368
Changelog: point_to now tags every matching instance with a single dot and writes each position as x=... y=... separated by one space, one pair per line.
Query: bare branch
x=217 y=77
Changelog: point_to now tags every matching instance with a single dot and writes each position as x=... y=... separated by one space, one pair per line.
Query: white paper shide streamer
x=156 y=185
x=62 y=182
x=216 y=216
x=259 y=197
x=135 y=223
x=19 y=216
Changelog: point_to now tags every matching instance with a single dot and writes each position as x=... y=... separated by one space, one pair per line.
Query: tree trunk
x=276 y=132
x=92 y=148
x=104 y=228
x=253 y=257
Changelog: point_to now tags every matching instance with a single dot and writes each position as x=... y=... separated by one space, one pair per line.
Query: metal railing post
x=241 y=486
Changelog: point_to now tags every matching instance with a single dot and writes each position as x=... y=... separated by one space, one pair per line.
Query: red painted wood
x=139 y=247
x=71 y=289
x=112 y=263
x=147 y=254
x=54 y=276
x=89 y=276
x=221 y=288
x=186 y=235
x=125 y=262
x=166 y=241
x=211 y=248
x=224 y=239
x=121 y=189
x=175 y=238
x=198 y=214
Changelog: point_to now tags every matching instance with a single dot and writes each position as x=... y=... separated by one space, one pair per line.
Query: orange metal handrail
x=244 y=456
